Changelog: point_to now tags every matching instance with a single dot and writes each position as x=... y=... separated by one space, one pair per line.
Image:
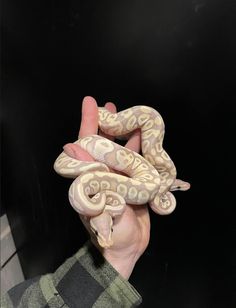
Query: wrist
x=122 y=260
x=123 y=264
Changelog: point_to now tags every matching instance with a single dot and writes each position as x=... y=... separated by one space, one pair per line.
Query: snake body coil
x=98 y=193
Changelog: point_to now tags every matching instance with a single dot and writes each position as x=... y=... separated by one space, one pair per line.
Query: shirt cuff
x=88 y=279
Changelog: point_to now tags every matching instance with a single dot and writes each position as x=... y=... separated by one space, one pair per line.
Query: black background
x=176 y=56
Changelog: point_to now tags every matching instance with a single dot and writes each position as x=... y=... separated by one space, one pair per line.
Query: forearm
x=83 y=280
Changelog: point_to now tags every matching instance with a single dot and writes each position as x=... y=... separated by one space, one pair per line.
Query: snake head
x=179 y=185
x=101 y=226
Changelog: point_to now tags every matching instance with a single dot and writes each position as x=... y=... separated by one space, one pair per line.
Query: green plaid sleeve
x=84 y=280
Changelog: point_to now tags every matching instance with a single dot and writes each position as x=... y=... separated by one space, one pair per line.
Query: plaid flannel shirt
x=84 y=280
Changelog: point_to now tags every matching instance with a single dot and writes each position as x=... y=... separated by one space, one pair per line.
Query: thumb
x=75 y=151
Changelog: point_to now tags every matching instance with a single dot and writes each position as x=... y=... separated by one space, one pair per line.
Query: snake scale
x=101 y=194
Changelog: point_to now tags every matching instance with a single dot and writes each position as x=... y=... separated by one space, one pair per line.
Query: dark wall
x=176 y=56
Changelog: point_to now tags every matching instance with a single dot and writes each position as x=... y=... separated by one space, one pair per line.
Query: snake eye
x=111 y=229
x=96 y=233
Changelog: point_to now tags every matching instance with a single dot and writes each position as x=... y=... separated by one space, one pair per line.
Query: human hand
x=131 y=230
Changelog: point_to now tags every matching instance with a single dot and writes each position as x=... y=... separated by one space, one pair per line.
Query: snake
x=101 y=194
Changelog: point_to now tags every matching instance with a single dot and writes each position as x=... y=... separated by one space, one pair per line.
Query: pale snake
x=100 y=194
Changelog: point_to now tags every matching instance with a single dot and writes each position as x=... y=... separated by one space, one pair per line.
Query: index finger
x=89 y=118
x=88 y=126
x=134 y=143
